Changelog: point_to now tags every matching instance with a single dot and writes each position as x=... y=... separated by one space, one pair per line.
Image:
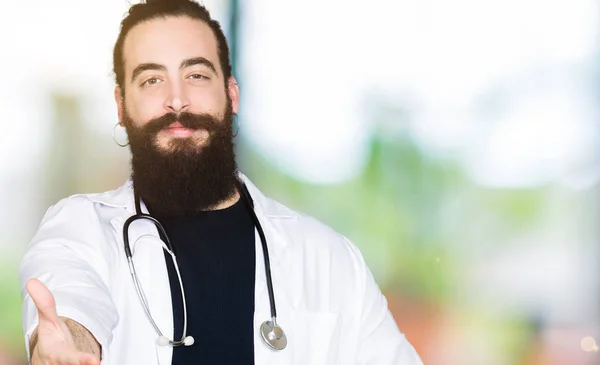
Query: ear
x=119 y=101
x=234 y=94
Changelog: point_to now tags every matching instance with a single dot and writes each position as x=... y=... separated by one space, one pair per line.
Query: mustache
x=186 y=119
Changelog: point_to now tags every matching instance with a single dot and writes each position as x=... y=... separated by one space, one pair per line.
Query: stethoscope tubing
x=263 y=241
x=137 y=284
x=245 y=195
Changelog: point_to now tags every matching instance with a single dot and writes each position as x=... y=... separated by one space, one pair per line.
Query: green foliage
x=406 y=211
x=11 y=333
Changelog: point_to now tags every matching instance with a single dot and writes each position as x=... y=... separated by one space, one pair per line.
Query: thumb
x=43 y=299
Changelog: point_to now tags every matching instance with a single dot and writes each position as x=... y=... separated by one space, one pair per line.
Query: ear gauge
x=115 y=137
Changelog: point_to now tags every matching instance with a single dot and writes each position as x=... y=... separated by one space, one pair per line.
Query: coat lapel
x=276 y=246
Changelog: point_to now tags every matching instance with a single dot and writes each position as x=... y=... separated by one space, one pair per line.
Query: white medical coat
x=327 y=301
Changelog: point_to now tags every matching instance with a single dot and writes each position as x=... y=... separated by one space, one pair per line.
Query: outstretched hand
x=55 y=343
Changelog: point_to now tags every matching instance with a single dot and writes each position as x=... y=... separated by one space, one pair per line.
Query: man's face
x=172 y=66
x=178 y=110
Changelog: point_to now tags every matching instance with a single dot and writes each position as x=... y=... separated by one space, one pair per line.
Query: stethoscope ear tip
x=188 y=341
x=162 y=341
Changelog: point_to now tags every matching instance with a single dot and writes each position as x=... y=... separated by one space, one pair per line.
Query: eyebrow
x=185 y=63
x=198 y=61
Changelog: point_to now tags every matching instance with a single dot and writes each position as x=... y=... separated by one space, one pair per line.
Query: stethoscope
x=271 y=333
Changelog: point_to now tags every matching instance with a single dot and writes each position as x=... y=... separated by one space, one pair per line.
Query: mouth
x=178 y=130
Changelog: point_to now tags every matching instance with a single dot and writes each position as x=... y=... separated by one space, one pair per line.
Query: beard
x=188 y=176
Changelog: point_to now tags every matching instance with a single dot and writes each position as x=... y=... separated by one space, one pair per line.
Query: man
x=206 y=278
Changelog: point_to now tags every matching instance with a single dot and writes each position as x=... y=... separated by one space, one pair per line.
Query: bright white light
x=306 y=71
x=588 y=344
x=300 y=90
x=534 y=144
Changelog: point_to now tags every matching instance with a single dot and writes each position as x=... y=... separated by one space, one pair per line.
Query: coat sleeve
x=69 y=255
x=380 y=341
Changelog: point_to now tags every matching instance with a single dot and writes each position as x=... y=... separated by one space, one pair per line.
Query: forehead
x=168 y=41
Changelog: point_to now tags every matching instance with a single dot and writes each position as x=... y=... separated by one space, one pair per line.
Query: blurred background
x=455 y=142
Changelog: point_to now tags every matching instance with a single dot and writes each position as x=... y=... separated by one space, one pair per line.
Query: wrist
x=83 y=339
x=33 y=343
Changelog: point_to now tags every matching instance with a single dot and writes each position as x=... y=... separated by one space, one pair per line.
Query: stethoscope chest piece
x=273 y=336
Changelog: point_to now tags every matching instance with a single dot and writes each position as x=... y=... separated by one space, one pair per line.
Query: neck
x=231 y=200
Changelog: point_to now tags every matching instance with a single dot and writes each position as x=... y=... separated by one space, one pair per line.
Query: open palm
x=55 y=344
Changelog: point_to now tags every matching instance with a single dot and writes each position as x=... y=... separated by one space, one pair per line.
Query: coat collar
x=268 y=211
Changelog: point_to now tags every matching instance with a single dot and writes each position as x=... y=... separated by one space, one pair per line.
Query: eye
x=197 y=77
x=151 y=81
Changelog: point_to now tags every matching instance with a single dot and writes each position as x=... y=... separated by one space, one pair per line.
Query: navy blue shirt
x=216 y=256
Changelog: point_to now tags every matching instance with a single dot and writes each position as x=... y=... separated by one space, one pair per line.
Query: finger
x=71 y=358
x=88 y=359
x=43 y=299
x=59 y=355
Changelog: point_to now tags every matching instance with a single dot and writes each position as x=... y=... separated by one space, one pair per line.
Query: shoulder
x=85 y=207
x=77 y=215
x=329 y=265
x=309 y=234
x=76 y=206
x=299 y=223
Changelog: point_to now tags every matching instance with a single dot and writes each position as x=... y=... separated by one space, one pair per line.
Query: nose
x=177 y=101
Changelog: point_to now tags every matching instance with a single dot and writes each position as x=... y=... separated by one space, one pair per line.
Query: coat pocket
x=316 y=338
